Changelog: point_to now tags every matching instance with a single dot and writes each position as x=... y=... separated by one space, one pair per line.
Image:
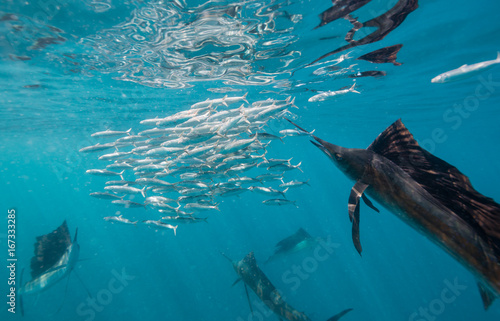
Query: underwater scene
x=250 y=160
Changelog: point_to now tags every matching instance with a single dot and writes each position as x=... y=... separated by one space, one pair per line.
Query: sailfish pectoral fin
x=236 y=282
x=64 y=297
x=355 y=230
x=356 y=192
x=353 y=207
x=339 y=315
x=248 y=298
x=83 y=284
x=369 y=203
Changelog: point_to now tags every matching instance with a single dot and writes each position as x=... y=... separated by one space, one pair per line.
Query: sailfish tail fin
x=339 y=315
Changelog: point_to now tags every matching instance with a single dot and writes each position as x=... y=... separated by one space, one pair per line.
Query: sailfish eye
x=338 y=156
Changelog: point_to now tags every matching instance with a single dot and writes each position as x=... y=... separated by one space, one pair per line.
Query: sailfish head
x=246 y=266
x=351 y=161
x=236 y=264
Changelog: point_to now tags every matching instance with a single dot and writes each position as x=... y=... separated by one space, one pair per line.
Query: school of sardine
x=185 y=164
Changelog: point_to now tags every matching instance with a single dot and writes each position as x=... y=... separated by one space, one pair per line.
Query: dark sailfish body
x=252 y=275
x=430 y=195
x=384 y=55
x=55 y=257
x=296 y=242
x=384 y=24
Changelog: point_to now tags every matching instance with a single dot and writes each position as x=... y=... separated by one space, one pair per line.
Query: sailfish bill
x=253 y=277
x=55 y=257
x=430 y=195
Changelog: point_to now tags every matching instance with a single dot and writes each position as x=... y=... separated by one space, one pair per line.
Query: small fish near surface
x=55 y=258
x=284 y=167
x=114 y=155
x=126 y=189
x=201 y=207
x=428 y=194
x=279 y=202
x=295 y=132
x=97 y=148
x=267 y=191
x=465 y=71
x=267 y=136
x=160 y=224
x=269 y=177
x=106 y=196
x=119 y=219
x=330 y=94
x=104 y=172
x=128 y=204
x=111 y=133
x=185 y=219
x=253 y=277
x=293 y=184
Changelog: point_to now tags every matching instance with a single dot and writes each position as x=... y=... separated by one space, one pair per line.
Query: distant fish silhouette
x=55 y=258
x=340 y=9
x=384 y=23
x=43 y=42
x=430 y=195
x=9 y=17
x=252 y=275
x=298 y=241
x=370 y=73
x=384 y=55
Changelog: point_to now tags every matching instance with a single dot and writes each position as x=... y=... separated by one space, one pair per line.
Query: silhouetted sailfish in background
x=298 y=241
x=384 y=24
x=430 y=195
x=384 y=55
x=252 y=275
x=340 y=9
x=55 y=258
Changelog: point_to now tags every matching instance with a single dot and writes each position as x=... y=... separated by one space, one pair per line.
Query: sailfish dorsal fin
x=442 y=180
x=49 y=248
x=394 y=140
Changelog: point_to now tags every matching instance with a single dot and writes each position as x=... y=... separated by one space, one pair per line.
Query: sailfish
x=55 y=258
x=248 y=271
x=296 y=242
x=428 y=194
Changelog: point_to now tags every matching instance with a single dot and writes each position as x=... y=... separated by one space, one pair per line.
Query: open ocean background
x=103 y=69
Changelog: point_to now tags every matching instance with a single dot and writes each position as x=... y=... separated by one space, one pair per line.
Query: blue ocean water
x=73 y=68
